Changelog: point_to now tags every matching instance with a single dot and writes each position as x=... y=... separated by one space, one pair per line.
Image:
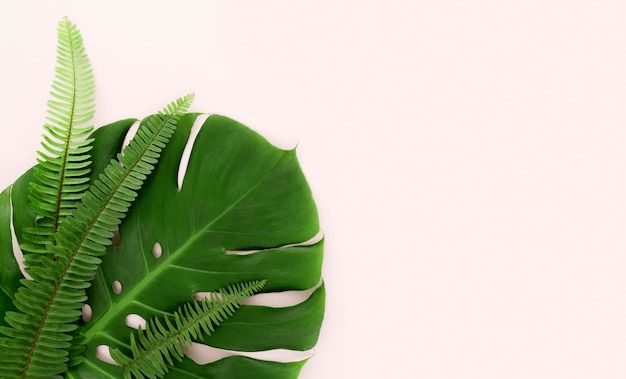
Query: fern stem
x=55 y=225
x=38 y=333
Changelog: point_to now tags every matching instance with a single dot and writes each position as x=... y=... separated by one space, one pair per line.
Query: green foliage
x=62 y=173
x=49 y=305
x=239 y=193
x=159 y=343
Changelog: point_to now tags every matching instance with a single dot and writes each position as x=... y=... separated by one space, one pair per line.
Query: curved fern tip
x=189 y=97
x=65 y=21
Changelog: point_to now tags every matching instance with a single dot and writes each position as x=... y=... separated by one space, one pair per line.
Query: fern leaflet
x=64 y=163
x=38 y=336
x=152 y=350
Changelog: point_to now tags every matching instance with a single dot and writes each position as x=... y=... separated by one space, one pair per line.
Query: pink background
x=468 y=159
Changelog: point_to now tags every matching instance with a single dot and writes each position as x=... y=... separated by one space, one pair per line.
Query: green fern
x=38 y=338
x=75 y=224
x=152 y=350
x=63 y=169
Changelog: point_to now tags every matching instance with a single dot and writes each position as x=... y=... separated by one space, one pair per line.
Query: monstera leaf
x=223 y=206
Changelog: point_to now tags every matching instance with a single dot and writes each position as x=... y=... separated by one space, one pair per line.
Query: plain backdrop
x=468 y=159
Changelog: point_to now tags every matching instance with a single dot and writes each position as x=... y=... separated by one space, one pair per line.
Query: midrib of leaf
x=79 y=245
x=94 y=368
x=55 y=225
x=9 y=294
x=91 y=330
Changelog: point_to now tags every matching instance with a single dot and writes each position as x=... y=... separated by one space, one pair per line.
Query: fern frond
x=153 y=349
x=63 y=169
x=38 y=335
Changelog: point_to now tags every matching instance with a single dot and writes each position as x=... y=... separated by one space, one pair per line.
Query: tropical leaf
x=61 y=177
x=242 y=213
x=239 y=193
x=37 y=339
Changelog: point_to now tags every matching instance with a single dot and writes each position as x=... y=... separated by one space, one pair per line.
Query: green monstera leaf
x=223 y=206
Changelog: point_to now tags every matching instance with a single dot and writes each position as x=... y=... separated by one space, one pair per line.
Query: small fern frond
x=155 y=348
x=63 y=169
x=38 y=336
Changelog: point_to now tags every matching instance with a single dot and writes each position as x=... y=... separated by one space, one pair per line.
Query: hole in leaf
x=281 y=299
x=135 y=321
x=17 y=252
x=116 y=238
x=130 y=134
x=203 y=354
x=312 y=241
x=104 y=354
x=117 y=287
x=87 y=312
x=184 y=159
x=157 y=250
